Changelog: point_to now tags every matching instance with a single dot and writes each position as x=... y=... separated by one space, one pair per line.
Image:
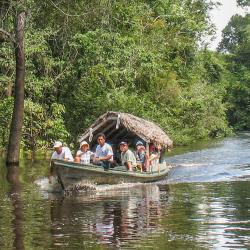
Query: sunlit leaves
x=236 y=40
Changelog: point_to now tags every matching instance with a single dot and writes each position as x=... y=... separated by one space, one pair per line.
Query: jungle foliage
x=143 y=57
x=236 y=43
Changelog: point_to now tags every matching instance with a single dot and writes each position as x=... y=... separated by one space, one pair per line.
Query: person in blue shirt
x=141 y=156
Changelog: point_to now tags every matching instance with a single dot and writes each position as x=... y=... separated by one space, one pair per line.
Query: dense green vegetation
x=144 y=57
x=236 y=41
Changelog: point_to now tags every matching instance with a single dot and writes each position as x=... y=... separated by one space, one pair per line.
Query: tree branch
x=64 y=13
x=5 y=35
x=5 y=32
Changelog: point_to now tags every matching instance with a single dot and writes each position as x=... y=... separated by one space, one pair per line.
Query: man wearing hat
x=127 y=156
x=61 y=153
x=83 y=155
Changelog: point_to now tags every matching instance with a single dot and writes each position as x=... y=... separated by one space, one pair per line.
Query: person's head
x=138 y=145
x=158 y=147
x=101 y=138
x=151 y=147
x=58 y=146
x=141 y=148
x=123 y=146
x=84 y=146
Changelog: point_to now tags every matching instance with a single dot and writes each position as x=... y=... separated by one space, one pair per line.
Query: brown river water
x=204 y=203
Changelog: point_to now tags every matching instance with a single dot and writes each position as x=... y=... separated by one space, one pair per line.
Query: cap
x=57 y=144
x=83 y=143
x=139 y=143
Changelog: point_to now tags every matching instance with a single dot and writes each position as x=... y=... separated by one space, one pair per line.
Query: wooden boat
x=71 y=174
x=117 y=127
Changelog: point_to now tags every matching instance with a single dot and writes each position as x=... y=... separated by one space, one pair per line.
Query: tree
x=140 y=57
x=236 y=43
x=236 y=34
x=243 y=3
x=13 y=152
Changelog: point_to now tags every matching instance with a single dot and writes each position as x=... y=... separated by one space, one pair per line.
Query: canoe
x=71 y=174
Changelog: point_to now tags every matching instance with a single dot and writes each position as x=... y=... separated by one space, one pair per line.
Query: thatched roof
x=122 y=126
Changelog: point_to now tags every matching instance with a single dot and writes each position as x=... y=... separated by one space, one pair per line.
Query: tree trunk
x=17 y=117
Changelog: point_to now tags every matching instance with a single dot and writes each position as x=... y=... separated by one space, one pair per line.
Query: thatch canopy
x=122 y=126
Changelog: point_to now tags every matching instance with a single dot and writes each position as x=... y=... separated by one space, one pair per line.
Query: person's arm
x=129 y=164
x=154 y=156
x=67 y=155
x=105 y=158
x=109 y=155
x=92 y=156
x=78 y=156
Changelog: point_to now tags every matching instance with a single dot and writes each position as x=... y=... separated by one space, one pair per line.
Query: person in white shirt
x=61 y=153
x=84 y=155
x=104 y=152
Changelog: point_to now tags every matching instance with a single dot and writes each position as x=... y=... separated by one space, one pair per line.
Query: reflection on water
x=113 y=217
x=17 y=206
x=204 y=204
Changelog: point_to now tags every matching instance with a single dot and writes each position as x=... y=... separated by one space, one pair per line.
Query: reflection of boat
x=112 y=218
x=70 y=174
x=117 y=127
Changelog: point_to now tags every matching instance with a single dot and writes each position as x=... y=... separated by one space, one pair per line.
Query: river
x=204 y=203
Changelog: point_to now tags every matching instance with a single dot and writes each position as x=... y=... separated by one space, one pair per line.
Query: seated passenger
x=151 y=148
x=141 y=155
x=127 y=157
x=104 y=152
x=155 y=155
x=61 y=153
x=84 y=155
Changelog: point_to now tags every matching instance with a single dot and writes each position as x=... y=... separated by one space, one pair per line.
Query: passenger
x=151 y=148
x=141 y=156
x=117 y=156
x=127 y=157
x=155 y=155
x=84 y=155
x=104 y=152
x=61 y=153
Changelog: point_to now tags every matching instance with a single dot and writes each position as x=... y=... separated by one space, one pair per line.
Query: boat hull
x=72 y=174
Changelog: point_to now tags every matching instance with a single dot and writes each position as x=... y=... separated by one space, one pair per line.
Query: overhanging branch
x=6 y=36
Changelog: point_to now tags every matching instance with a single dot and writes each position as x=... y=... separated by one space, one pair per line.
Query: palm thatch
x=123 y=126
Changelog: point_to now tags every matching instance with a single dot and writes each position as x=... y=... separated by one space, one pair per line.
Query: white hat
x=57 y=144
x=83 y=143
